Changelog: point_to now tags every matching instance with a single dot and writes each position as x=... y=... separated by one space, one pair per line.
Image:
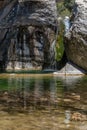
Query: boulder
x=27 y=34
x=70 y=69
x=76 y=37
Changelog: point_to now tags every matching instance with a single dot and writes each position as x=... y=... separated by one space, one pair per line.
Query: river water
x=43 y=102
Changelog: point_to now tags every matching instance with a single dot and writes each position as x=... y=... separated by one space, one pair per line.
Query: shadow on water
x=51 y=96
x=48 y=71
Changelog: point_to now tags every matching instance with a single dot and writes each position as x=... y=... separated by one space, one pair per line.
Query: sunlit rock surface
x=27 y=34
x=70 y=69
x=76 y=38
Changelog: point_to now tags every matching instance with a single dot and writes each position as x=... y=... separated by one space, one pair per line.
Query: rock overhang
x=29 y=12
x=28 y=31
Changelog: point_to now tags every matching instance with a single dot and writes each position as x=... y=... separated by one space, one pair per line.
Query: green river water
x=43 y=102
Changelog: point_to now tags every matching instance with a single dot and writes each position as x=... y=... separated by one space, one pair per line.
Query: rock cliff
x=27 y=34
x=76 y=38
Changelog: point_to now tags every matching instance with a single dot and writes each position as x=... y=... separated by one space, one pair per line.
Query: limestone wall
x=28 y=31
x=76 y=38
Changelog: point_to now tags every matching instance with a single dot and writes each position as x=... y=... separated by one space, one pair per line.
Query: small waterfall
x=53 y=51
x=52 y=54
x=67 y=23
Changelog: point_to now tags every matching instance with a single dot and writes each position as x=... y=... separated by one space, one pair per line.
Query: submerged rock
x=76 y=116
x=27 y=34
x=76 y=38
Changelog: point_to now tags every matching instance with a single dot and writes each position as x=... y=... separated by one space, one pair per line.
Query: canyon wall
x=27 y=34
x=76 y=38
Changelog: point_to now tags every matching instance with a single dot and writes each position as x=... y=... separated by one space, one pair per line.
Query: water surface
x=42 y=102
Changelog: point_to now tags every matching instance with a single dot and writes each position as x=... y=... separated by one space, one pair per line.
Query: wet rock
x=27 y=34
x=78 y=117
x=66 y=100
x=5 y=94
x=73 y=96
x=76 y=38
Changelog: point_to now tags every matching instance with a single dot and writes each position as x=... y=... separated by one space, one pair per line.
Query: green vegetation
x=60 y=41
x=64 y=8
x=69 y=4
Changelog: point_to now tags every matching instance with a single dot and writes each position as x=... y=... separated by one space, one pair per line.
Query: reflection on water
x=57 y=102
x=26 y=92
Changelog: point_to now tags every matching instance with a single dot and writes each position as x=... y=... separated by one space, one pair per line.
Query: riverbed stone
x=76 y=37
x=27 y=34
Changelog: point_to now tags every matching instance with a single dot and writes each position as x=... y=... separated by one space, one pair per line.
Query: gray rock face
x=76 y=38
x=27 y=34
x=70 y=69
x=27 y=12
